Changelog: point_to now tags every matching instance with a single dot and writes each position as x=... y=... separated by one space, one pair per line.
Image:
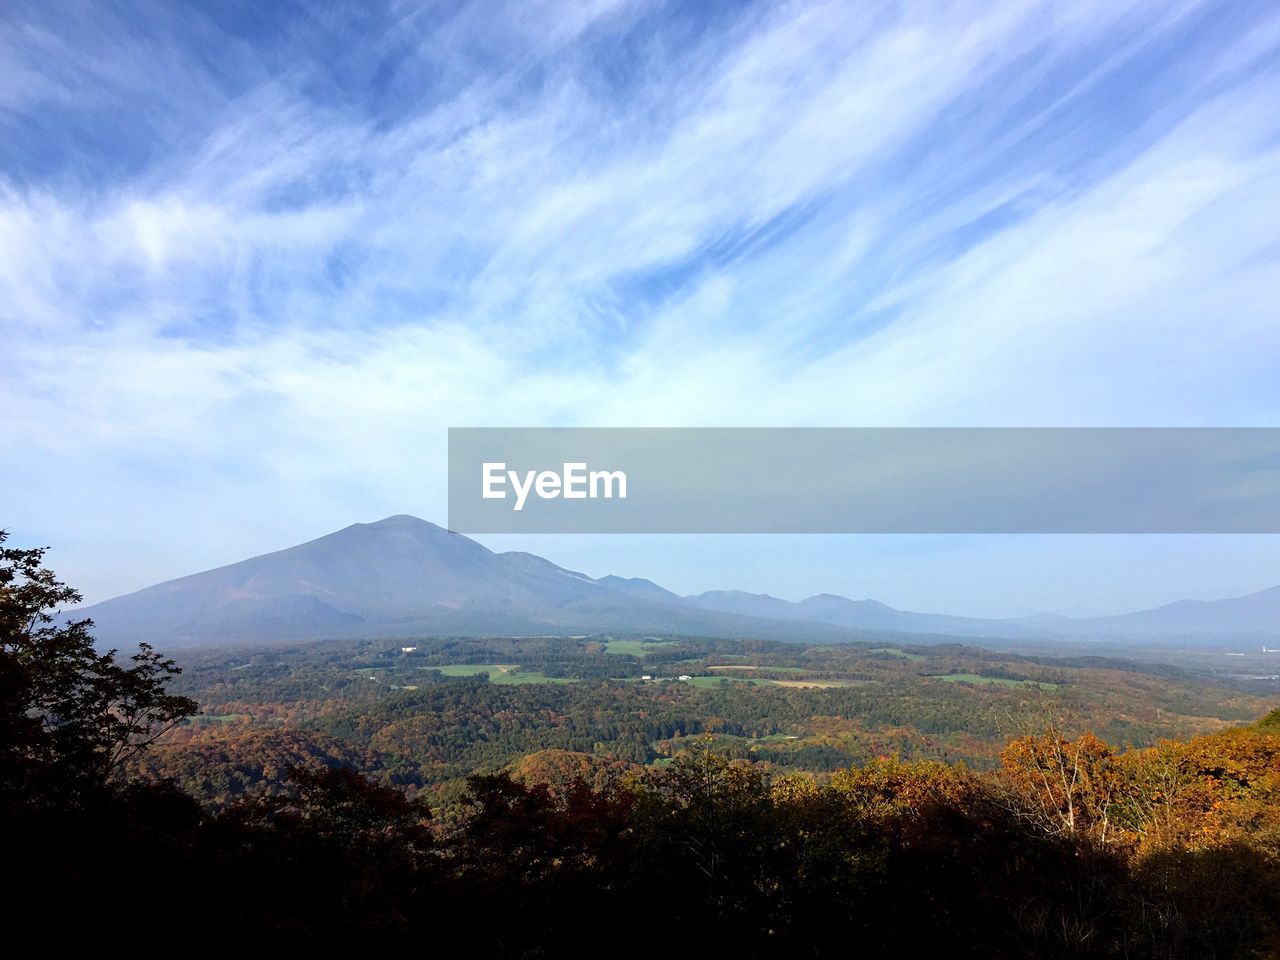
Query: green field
x=992 y=681
x=499 y=673
x=773 y=738
x=635 y=648
x=704 y=682
x=894 y=651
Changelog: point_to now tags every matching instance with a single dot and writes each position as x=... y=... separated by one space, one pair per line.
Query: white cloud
x=292 y=293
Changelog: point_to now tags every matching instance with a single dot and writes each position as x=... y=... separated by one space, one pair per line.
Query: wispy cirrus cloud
x=254 y=261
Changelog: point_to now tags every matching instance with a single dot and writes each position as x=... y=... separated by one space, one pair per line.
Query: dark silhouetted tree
x=69 y=715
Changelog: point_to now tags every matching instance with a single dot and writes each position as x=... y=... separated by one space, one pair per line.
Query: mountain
x=640 y=587
x=1256 y=615
x=857 y=614
x=746 y=604
x=403 y=577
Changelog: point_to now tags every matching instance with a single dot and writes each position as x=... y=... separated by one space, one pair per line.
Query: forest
x=539 y=797
x=423 y=716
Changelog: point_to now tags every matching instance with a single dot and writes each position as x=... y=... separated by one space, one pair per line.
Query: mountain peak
x=837 y=599
x=402 y=523
x=402 y=520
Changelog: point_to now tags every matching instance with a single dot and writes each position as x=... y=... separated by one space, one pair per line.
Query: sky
x=255 y=259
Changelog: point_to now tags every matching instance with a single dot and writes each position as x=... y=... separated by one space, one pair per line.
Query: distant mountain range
x=404 y=577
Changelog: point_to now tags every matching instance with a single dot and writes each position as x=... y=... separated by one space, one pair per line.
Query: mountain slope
x=1249 y=618
x=400 y=577
x=404 y=577
x=856 y=614
x=1254 y=615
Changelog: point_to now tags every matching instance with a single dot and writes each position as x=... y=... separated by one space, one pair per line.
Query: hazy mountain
x=403 y=577
x=858 y=614
x=1252 y=617
x=746 y=604
x=640 y=587
x=1255 y=615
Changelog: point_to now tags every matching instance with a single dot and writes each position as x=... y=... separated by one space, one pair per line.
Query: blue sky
x=256 y=258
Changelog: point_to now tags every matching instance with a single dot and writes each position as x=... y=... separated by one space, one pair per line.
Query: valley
x=426 y=716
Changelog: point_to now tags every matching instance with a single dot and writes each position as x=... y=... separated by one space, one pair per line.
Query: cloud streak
x=251 y=267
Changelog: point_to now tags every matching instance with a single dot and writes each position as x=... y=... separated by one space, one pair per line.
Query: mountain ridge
x=404 y=576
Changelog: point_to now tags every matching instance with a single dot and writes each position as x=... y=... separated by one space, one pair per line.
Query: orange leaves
x=1206 y=792
x=888 y=786
x=1064 y=786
